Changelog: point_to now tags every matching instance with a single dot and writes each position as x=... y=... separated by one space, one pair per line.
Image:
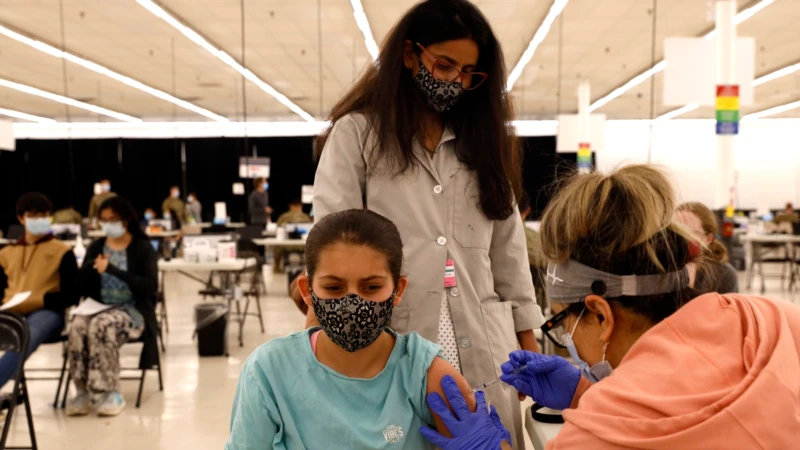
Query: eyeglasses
x=446 y=72
x=554 y=328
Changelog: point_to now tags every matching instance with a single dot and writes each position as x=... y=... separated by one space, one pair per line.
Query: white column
x=584 y=144
x=726 y=74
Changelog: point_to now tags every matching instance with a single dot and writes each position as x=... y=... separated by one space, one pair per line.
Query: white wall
x=767 y=157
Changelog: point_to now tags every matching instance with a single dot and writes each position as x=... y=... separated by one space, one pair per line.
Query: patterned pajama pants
x=94 y=343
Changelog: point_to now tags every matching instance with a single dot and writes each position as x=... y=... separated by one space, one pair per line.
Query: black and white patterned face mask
x=352 y=322
x=441 y=95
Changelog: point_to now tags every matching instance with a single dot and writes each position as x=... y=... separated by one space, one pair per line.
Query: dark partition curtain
x=144 y=169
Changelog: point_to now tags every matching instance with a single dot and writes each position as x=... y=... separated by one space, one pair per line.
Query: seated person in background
x=119 y=270
x=353 y=383
x=787 y=216
x=67 y=215
x=194 y=210
x=294 y=215
x=42 y=265
x=536 y=259
x=99 y=197
x=700 y=220
x=149 y=214
x=173 y=208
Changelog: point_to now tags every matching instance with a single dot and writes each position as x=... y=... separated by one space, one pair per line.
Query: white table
x=755 y=242
x=275 y=242
x=178 y=264
x=229 y=224
x=229 y=276
x=540 y=432
x=95 y=234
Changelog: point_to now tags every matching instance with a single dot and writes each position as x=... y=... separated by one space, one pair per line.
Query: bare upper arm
x=438 y=369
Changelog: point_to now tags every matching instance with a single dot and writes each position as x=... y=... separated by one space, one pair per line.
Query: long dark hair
x=126 y=213
x=387 y=95
x=356 y=227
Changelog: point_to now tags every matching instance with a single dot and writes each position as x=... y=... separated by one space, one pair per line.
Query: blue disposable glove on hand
x=481 y=430
x=549 y=380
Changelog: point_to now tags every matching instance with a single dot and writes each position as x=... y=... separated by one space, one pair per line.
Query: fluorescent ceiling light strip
x=67 y=101
x=25 y=116
x=50 y=50
x=100 y=130
x=363 y=25
x=678 y=112
x=743 y=15
x=772 y=111
x=224 y=57
x=638 y=79
x=739 y=18
x=777 y=74
x=538 y=38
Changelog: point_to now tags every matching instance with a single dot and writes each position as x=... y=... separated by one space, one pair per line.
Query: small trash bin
x=211 y=328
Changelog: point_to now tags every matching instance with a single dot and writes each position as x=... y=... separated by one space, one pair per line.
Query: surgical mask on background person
x=106 y=187
x=351 y=322
x=441 y=95
x=265 y=186
x=167 y=215
x=148 y=216
x=113 y=229
x=190 y=199
x=175 y=194
x=37 y=226
x=594 y=373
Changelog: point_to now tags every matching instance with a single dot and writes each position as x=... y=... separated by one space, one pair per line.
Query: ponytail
x=718 y=251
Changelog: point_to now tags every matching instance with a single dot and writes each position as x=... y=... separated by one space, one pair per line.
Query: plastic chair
x=14 y=337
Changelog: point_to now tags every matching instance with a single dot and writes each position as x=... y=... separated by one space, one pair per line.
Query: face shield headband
x=571 y=281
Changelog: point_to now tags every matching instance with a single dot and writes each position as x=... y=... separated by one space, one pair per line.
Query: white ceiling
x=607 y=41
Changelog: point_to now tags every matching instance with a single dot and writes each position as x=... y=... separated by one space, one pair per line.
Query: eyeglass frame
x=483 y=76
x=554 y=322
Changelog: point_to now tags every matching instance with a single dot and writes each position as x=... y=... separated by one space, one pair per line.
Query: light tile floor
x=193 y=411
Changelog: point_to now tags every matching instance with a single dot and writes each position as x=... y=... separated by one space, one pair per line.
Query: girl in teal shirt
x=353 y=383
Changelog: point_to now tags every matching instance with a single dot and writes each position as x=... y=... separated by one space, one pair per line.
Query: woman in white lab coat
x=424 y=139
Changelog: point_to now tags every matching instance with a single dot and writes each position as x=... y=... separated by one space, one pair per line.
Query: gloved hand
x=549 y=380
x=481 y=430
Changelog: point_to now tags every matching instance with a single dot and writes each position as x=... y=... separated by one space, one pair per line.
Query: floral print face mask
x=351 y=322
x=441 y=95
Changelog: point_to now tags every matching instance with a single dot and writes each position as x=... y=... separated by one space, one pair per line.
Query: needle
x=496 y=380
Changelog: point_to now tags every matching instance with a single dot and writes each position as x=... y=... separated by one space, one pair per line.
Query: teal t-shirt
x=287 y=400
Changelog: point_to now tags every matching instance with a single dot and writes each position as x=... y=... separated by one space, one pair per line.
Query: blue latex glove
x=481 y=430
x=549 y=380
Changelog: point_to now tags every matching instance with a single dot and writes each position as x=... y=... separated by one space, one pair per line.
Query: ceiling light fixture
x=777 y=74
x=165 y=130
x=635 y=81
x=772 y=111
x=678 y=112
x=224 y=57
x=25 y=116
x=363 y=25
x=538 y=38
x=742 y=16
x=94 y=67
x=67 y=101
x=739 y=18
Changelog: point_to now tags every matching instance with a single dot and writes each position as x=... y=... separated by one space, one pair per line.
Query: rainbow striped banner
x=584 y=157
x=727 y=109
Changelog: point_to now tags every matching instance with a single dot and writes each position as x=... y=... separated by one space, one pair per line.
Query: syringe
x=516 y=371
